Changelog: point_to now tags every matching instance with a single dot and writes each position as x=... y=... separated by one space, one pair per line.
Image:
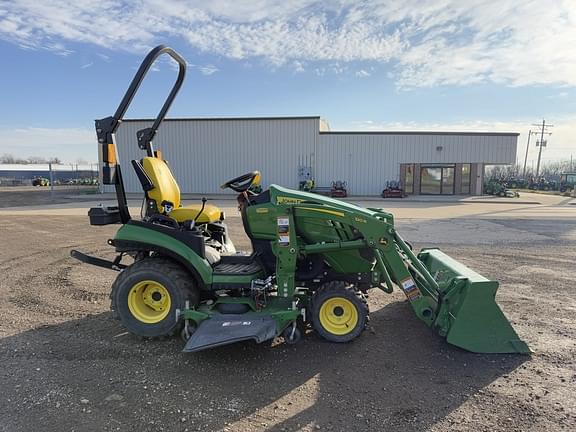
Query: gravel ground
x=67 y=365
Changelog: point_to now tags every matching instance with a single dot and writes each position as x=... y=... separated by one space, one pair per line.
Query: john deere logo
x=288 y=200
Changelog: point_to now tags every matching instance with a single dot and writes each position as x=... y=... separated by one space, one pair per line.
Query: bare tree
x=9 y=159
x=551 y=170
x=36 y=160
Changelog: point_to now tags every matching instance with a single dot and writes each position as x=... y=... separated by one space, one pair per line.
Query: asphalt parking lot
x=67 y=365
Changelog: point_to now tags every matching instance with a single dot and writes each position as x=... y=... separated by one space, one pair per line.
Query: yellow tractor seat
x=164 y=189
x=209 y=214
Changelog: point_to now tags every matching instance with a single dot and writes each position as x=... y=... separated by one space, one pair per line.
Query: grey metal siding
x=367 y=161
x=205 y=153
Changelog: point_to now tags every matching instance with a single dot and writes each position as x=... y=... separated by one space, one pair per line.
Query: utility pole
x=51 y=180
x=543 y=131
x=530 y=133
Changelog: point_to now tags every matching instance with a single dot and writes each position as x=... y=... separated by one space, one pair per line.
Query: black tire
x=178 y=284
x=346 y=293
x=292 y=335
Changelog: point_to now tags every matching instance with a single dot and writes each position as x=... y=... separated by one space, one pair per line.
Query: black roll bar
x=145 y=137
x=106 y=127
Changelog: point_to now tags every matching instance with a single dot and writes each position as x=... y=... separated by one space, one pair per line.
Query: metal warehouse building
x=205 y=152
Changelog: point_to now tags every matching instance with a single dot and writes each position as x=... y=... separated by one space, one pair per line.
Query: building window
x=465 y=179
x=409 y=179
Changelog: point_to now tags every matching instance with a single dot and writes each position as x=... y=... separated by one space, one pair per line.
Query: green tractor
x=313 y=259
x=567 y=182
x=499 y=188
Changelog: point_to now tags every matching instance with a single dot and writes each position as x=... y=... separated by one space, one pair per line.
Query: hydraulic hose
x=416 y=263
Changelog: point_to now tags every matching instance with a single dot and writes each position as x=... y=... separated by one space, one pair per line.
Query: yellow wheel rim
x=149 y=301
x=338 y=316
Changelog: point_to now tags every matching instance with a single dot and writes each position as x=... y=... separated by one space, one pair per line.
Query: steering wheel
x=242 y=183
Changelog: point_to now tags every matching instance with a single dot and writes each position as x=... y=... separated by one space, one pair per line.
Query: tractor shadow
x=397 y=376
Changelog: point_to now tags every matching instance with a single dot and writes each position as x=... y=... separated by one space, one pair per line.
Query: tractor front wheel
x=339 y=313
x=147 y=294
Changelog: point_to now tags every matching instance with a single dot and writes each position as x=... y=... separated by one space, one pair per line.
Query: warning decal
x=283 y=231
x=410 y=289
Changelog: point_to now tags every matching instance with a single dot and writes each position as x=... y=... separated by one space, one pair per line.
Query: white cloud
x=87 y=65
x=427 y=42
x=560 y=95
x=208 y=69
x=104 y=57
x=68 y=144
x=298 y=66
x=362 y=73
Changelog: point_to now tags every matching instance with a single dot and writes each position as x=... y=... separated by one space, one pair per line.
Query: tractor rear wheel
x=339 y=313
x=146 y=295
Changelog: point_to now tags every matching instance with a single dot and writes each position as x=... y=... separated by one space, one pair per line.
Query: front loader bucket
x=467 y=313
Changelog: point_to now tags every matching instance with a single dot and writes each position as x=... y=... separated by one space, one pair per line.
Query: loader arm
x=445 y=294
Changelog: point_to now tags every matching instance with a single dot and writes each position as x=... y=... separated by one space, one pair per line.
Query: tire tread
x=174 y=271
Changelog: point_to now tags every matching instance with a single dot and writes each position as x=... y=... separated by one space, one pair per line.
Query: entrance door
x=437 y=180
x=447 y=181
x=431 y=181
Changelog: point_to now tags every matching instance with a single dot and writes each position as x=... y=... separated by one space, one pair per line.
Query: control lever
x=204 y=199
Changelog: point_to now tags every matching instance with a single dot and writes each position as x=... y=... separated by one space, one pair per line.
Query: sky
x=473 y=65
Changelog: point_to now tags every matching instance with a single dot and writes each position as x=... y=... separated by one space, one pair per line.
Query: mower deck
x=230 y=328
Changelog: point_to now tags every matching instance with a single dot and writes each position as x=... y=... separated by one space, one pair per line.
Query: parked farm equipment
x=40 y=181
x=567 y=182
x=338 y=189
x=313 y=259
x=542 y=184
x=498 y=188
x=392 y=190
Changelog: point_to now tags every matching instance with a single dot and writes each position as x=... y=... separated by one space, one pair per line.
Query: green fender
x=157 y=239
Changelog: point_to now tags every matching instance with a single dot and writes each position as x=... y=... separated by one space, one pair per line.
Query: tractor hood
x=281 y=196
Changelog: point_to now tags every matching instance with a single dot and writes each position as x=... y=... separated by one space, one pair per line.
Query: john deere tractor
x=313 y=259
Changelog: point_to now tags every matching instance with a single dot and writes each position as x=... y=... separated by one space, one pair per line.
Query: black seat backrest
x=142 y=176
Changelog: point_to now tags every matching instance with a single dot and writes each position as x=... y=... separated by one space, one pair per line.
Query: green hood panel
x=281 y=196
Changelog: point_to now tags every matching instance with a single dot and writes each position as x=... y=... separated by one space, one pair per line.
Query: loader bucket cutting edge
x=468 y=314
